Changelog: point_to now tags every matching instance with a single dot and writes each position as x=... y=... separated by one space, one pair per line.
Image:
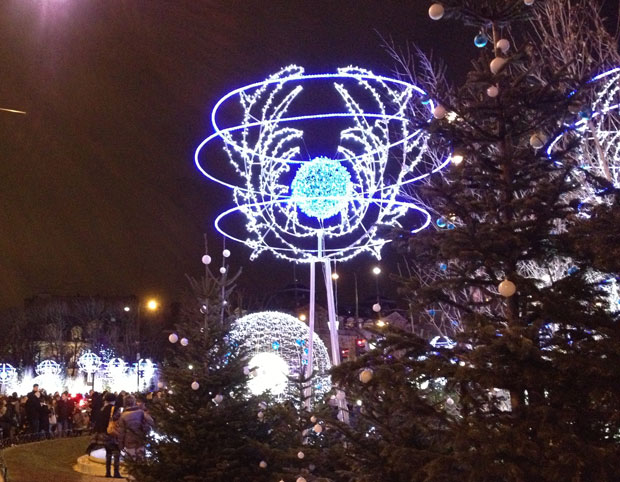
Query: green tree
x=530 y=392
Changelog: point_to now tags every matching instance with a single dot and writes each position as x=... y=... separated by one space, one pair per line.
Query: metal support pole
x=311 y=318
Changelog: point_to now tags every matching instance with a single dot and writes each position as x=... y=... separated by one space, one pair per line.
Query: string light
x=287 y=199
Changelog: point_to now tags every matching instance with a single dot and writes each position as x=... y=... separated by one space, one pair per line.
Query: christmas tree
x=521 y=261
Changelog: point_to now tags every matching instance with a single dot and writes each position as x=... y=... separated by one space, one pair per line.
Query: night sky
x=99 y=192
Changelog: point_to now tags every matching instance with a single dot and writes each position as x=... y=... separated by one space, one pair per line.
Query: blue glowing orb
x=321 y=188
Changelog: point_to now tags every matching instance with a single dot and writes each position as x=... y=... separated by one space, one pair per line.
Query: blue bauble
x=481 y=40
x=441 y=222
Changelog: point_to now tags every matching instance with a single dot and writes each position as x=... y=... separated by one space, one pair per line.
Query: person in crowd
x=64 y=413
x=5 y=421
x=33 y=409
x=133 y=427
x=44 y=416
x=96 y=402
x=105 y=434
x=81 y=421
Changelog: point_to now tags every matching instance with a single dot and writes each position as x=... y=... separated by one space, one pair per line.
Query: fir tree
x=531 y=391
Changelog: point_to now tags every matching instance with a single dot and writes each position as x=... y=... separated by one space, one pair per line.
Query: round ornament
x=497 y=64
x=537 y=141
x=507 y=288
x=318 y=428
x=313 y=419
x=436 y=12
x=439 y=112
x=173 y=338
x=223 y=270
x=219 y=398
x=226 y=253
x=365 y=375
x=376 y=307
x=184 y=341
x=300 y=479
x=481 y=40
x=529 y=3
x=503 y=45
x=493 y=91
x=300 y=455
x=206 y=259
x=262 y=464
x=195 y=385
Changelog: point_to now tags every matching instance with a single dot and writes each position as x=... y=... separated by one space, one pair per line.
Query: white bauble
x=246 y=370
x=222 y=270
x=173 y=338
x=219 y=398
x=449 y=401
x=206 y=259
x=195 y=385
x=226 y=253
x=376 y=307
x=318 y=428
x=365 y=375
x=439 y=112
x=311 y=467
x=493 y=91
x=529 y=3
x=184 y=341
x=537 y=141
x=313 y=419
x=507 y=288
x=436 y=11
x=503 y=44
x=497 y=64
x=300 y=455
x=262 y=464
x=160 y=384
x=300 y=479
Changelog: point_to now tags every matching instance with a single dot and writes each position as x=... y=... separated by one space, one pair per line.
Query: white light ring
x=328 y=252
x=289 y=161
x=581 y=123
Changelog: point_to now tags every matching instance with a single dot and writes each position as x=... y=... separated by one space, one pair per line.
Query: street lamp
x=151 y=305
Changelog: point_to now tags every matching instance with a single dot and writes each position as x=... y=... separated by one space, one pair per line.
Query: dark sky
x=98 y=190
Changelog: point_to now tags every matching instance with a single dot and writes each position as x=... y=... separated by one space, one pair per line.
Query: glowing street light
x=127 y=308
x=152 y=304
x=302 y=317
x=376 y=271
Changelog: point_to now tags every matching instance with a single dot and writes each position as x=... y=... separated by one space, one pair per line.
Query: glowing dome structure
x=278 y=346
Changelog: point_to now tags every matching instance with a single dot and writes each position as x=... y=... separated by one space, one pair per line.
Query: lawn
x=48 y=461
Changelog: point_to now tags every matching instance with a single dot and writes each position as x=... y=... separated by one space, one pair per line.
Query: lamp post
x=151 y=305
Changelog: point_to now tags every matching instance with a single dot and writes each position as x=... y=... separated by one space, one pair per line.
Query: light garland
x=290 y=197
x=276 y=340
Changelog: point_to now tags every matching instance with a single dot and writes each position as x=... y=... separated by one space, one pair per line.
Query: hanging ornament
x=262 y=464
x=219 y=398
x=507 y=288
x=497 y=64
x=160 y=384
x=318 y=428
x=173 y=338
x=365 y=375
x=206 y=259
x=441 y=222
x=300 y=455
x=439 y=112
x=376 y=307
x=195 y=385
x=493 y=91
x=450 y=401
x=246 y=370
x=457 y=157
x=184 y=341
x=223 y=270
x=443 y=266
x=585 y=114
x=226 y=253
x=436 y=11
x=529 y=3
x=481 y=40
x=503 y=45
x=313 y=419
x=300 y=479
x=537 y=141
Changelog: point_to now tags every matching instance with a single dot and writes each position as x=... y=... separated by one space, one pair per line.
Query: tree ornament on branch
x=507 y=288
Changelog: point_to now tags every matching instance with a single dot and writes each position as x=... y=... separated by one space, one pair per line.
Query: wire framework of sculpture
x=306 y=193
x=271 y=335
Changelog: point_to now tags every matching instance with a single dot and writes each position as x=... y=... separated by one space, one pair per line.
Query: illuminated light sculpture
x=145 y=370
x=442 y=342
x=116 y=367
x=303 y=205
x=48 y=367
x=8 y=376
x=89 y=362
x=278 y=346
x=48 y=376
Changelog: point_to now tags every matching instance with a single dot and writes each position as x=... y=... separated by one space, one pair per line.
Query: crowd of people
x=118 y=422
